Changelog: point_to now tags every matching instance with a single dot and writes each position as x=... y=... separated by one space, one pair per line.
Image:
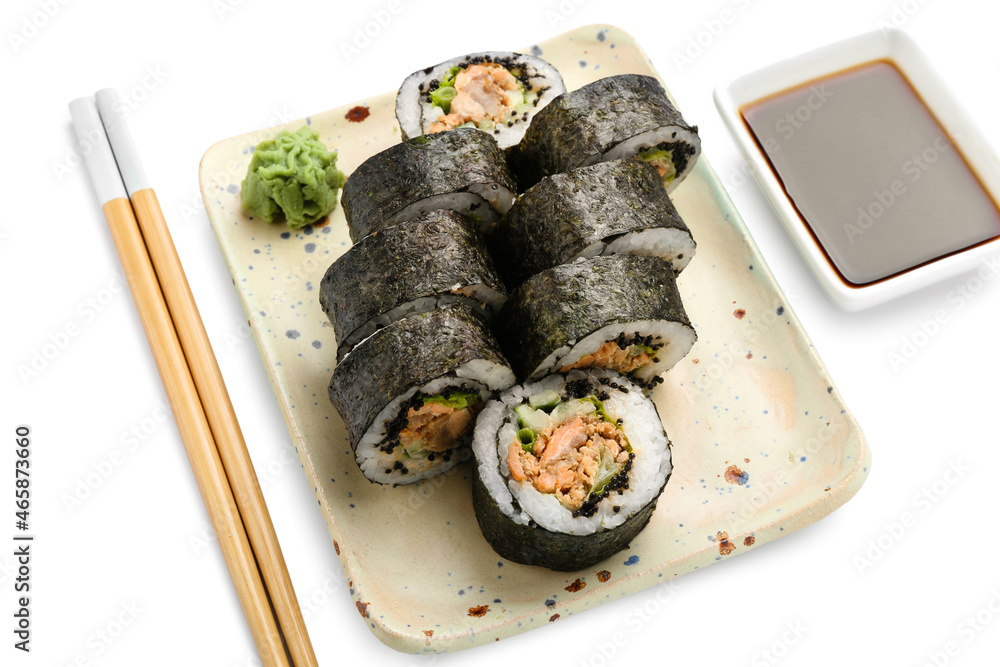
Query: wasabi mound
x=293 y=176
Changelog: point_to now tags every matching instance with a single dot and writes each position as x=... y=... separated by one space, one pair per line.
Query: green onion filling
x=527 y=439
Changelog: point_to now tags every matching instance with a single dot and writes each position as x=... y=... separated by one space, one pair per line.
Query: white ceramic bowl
x=897 y=47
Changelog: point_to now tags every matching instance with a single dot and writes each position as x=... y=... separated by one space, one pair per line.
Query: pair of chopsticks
x=193 y=383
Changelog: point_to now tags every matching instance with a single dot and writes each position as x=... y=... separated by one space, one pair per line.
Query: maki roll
x=432 y=260
x=611 y=207
x=620 y=312
x=613 y=118
x=569 y=469
x=494 y=92
x=463 y=170
x=410 y=393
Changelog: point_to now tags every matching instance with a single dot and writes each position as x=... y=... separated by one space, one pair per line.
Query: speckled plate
x=762 y=442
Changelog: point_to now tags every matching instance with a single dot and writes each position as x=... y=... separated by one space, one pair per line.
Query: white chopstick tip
x=113 y=115
x=93 y=145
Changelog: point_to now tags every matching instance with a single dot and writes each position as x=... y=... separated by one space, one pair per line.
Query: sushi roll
x=494 y=92
x=568 y=469
x=410 y=393
x=610 y=207
x=613 y=118
x=463 y=170
x=435 y=259
x=620 y=312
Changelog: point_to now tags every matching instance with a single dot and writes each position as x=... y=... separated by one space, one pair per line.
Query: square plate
x=762 y=442
x=895 y=46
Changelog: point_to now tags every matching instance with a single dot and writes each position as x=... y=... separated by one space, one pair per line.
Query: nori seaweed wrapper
x=578 y=127
x=409 y=352
x=564 y=213
x=430 y=255
x=554 y=550
x=434 y=164
x=568 y=302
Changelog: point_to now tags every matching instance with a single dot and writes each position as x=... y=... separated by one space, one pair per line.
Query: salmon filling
x=565 y=459
x=485 y=92
x=613 y=356
x=436 y=427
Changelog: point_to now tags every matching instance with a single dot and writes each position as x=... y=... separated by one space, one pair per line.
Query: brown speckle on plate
x=576 y=586
x=603 y=576
x=336 y=547
x=749 y=355
x=725 y=546
x=739 y=313
x=553 y=617
x=357 y=114
x=749 y=540
x=322 y=223
x=429 y=633
x=479 y=611
x=735 y=476
x=362 y=608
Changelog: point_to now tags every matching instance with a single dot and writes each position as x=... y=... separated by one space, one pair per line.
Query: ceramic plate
x=762 y=442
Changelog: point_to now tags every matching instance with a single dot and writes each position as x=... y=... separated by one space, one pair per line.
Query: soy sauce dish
x=877 y=173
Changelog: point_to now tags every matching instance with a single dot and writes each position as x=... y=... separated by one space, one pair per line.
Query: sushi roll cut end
x=494 y=92
x=410 y=393
x=569 y=468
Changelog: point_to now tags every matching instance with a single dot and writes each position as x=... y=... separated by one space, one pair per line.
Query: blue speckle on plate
x=536 y=50
x=232 y=189
x=802 y=458
x=601 y=34
x=286 y=235
x=317 y=344
x=583 y=63
x=310 y=247
x=632 y=560
x=292 y=333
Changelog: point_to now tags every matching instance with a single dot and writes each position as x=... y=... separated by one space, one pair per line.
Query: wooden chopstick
x=208 y=379
x=179 y=385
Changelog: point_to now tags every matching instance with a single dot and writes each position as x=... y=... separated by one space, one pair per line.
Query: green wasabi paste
x=293 y=176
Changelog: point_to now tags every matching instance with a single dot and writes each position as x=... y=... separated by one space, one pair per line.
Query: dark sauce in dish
x=875 y=178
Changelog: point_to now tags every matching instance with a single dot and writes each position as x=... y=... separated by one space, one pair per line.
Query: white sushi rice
x=479 y=375
x=666 y=134
x=497 y=428
x=483 y=202
x=677 y=340
x=480 y=298
x=415 y=114
x=669 y=243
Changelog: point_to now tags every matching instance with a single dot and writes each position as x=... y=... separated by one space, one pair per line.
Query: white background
x=138 y=548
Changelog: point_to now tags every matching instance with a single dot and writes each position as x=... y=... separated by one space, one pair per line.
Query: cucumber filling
x=662 y=160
